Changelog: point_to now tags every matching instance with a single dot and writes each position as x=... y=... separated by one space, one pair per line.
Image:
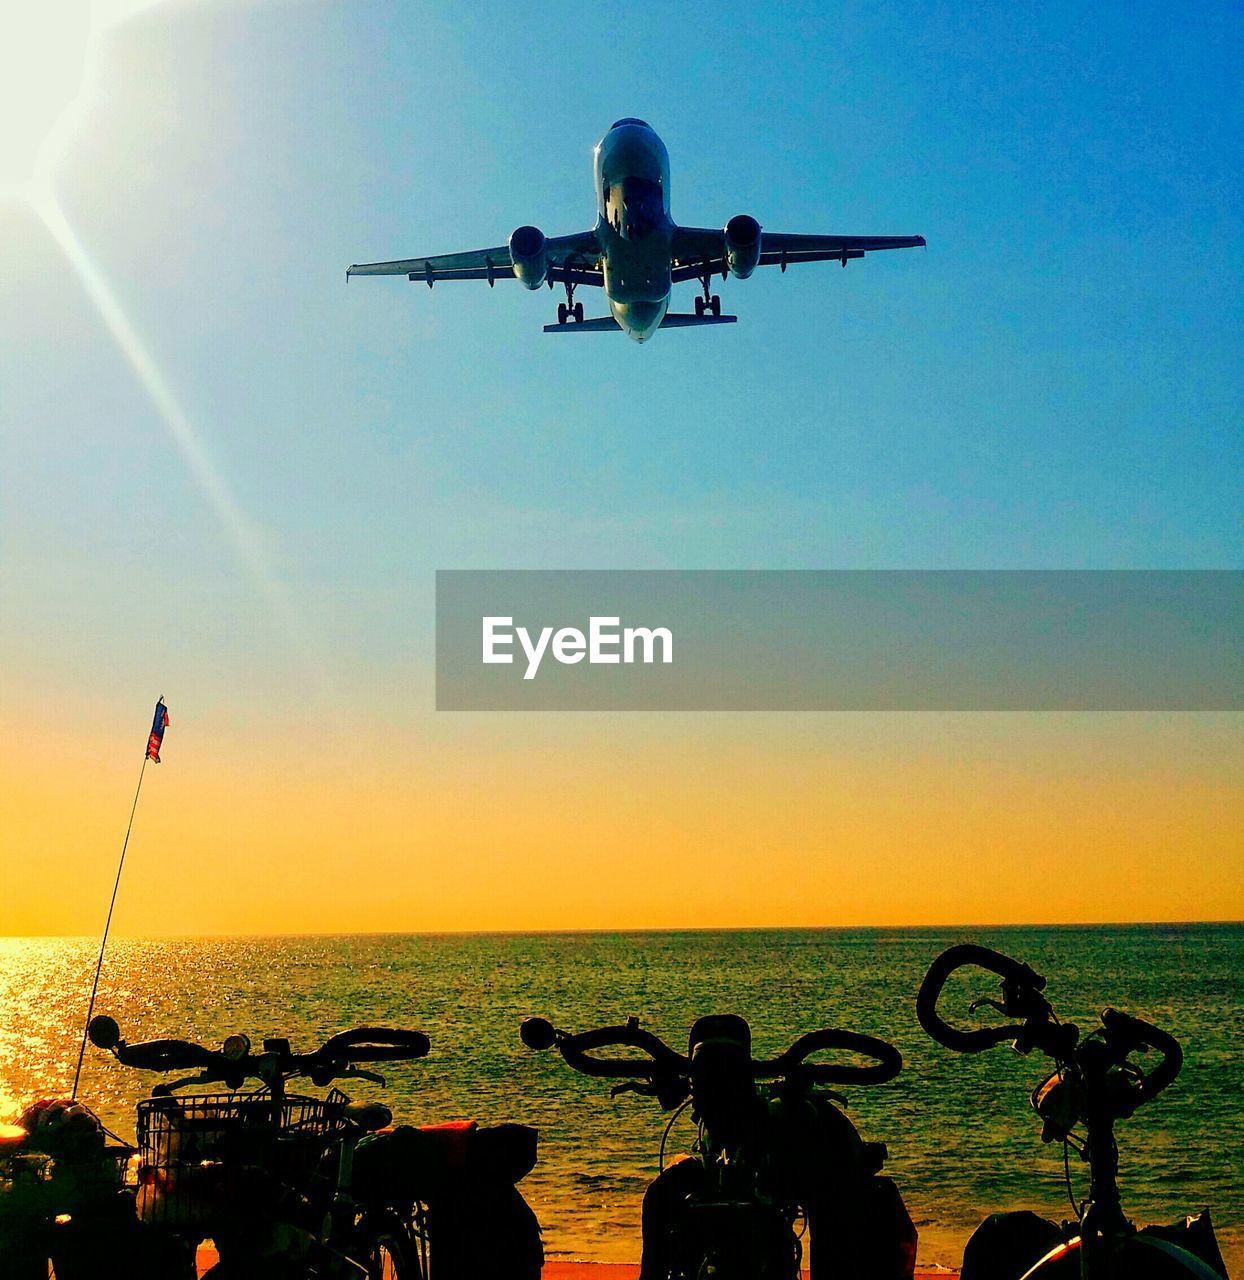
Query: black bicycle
x=774 y=1152
x=1094 y=1084
x=265 y=1174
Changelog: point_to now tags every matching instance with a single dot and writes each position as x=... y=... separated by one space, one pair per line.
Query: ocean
x=962 y=1139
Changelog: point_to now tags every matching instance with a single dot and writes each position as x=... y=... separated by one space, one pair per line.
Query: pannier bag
x=1006 y=1245
x=478 y=1222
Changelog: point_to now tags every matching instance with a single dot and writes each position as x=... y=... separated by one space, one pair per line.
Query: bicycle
x=62 y=1183
x=1093 y=1085
x=760 y=1167
x=268 y=1175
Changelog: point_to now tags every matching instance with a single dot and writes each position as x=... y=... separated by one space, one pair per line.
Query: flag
x=158 y=725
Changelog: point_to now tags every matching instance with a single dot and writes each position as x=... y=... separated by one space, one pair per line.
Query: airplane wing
x=698 y=248
x=572 y=260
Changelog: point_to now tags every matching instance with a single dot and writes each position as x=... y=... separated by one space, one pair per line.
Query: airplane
x=635 y=253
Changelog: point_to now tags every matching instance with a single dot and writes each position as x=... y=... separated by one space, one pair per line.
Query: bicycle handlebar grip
x=576 y=1050
x=166 y=1055
x=1138 y=1034
x=889 y=1062
x=374 y=1044
x=959 y=957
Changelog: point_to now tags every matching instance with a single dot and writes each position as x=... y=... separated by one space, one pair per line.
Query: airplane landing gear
x=570 y=309
x=710 y=302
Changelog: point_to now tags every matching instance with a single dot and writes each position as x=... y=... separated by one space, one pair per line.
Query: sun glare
x=43 y=66
x=47 y=65
x=47 y=52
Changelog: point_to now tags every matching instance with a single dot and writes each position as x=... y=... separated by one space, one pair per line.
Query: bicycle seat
x=371 y=1116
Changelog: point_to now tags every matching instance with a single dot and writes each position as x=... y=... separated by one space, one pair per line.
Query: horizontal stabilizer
x=603 y=324
x=684 y=319
x=596 y=324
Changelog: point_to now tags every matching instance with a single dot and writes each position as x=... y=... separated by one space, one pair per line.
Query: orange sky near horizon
x=555 y=822
x=234 y=486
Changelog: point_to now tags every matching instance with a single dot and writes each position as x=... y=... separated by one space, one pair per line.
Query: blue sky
x=1056 y=382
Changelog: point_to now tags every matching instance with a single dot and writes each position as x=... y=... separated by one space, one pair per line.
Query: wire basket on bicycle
x=203 y=1154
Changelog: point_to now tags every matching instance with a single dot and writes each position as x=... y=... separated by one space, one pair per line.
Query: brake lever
x=633 y=1086
x=357 y=1073
x=1022 y=998
x=323 y=1074
x=209 y=1075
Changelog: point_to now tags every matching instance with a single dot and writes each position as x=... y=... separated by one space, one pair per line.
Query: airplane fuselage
x=633 y=224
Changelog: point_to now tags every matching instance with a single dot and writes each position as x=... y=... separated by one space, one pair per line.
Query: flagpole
x=103 y=942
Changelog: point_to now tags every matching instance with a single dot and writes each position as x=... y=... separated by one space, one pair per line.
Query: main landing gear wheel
x=711 y=304
x=570 y=309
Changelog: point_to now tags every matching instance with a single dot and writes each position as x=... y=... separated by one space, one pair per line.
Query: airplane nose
x=644 y=314
x=641 y=319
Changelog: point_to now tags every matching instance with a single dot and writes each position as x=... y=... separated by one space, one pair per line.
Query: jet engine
x=529 y=256
x=742 y=235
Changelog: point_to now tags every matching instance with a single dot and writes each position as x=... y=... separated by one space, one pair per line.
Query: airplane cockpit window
x=617 y=124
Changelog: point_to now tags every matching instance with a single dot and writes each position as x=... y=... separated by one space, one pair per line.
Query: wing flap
x=777 y=242
x=701 y=250
x=580 y=251
x=427 y=276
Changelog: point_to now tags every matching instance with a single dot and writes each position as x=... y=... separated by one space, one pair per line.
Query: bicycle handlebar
x=889 y=1062
x=362 y=1044
x=1021 y=988
x=166 y=1055
x=577 y=1051
x=1134 y=1033
x=373 y=1044
x=1021 y=997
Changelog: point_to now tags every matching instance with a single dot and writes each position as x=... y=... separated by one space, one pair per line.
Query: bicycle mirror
x=104 y=1032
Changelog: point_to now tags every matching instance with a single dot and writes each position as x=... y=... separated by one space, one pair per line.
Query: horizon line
x=641 y=929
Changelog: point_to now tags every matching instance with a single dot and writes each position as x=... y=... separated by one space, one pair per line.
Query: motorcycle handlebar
x=1021 y=987
x=1134 y=1033
x=889 y=1062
